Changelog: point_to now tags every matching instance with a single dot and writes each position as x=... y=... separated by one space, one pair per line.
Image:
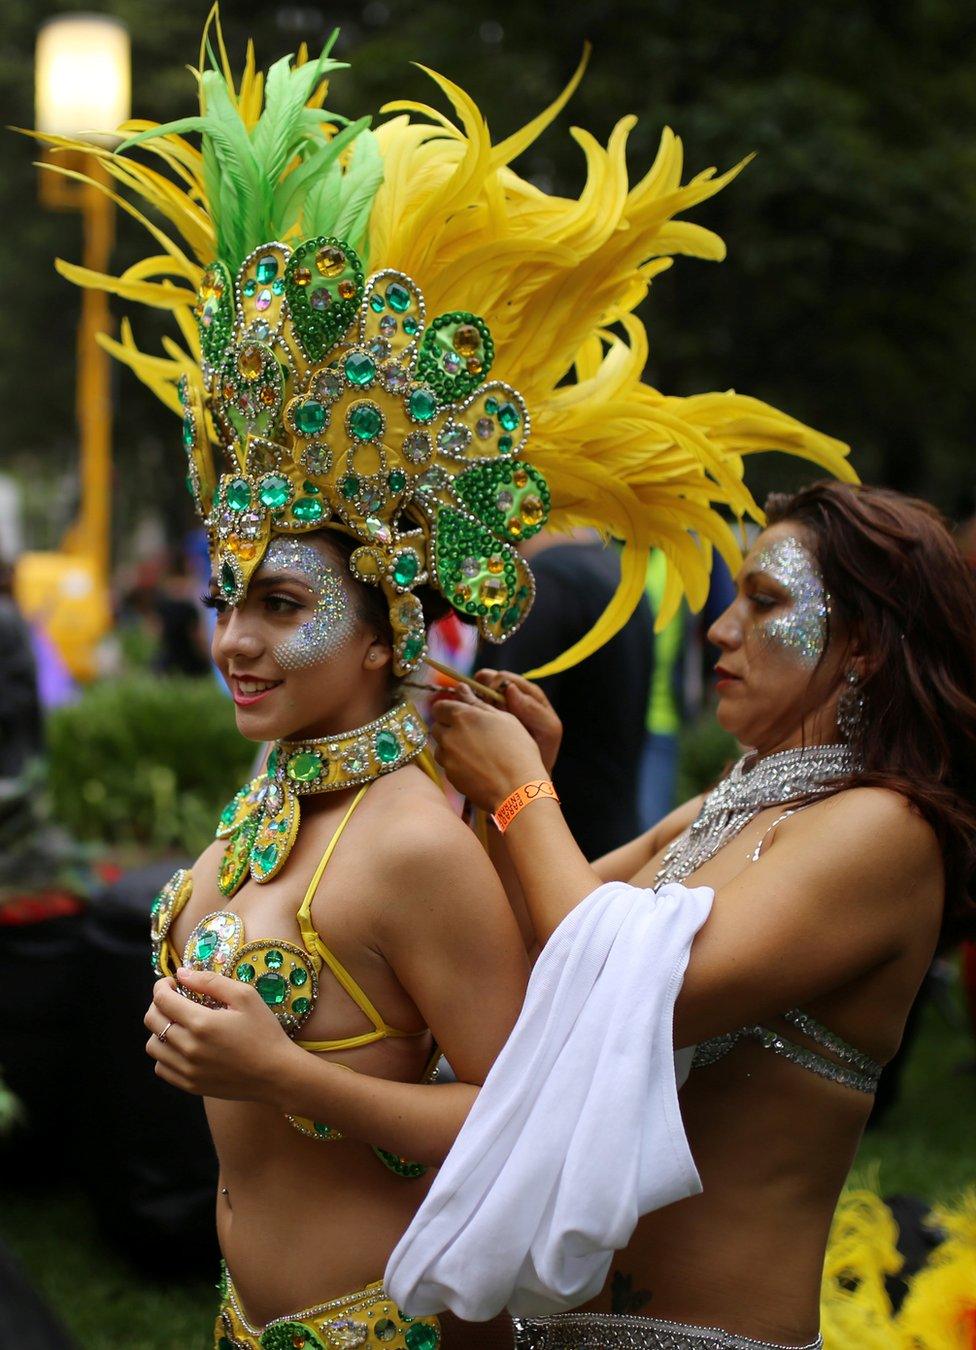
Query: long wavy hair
x=906 y=595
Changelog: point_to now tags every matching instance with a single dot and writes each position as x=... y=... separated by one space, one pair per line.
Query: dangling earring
x=850 y=706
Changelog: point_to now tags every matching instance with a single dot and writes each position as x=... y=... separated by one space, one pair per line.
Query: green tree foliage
x=847 y=296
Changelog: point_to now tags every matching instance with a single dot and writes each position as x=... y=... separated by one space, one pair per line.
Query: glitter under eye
x=802 y=630
x=332 y=624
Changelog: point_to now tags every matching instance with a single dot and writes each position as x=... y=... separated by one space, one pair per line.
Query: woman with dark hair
x=835 y=854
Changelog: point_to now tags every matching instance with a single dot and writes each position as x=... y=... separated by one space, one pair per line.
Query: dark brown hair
x=901 y=587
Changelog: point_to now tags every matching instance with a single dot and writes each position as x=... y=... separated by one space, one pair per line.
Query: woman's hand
x=486 y=753
x=235 y=1051
x=528 y=703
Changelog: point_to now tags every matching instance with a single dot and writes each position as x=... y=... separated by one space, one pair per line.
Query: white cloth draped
x=577 y=1131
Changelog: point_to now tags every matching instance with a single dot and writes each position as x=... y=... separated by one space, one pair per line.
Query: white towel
x=576 y=1132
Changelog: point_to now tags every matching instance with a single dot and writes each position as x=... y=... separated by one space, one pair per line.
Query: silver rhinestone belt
x=610 y=1331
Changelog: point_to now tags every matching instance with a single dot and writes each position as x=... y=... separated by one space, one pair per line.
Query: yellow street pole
x=82 y=91
x=93 y=394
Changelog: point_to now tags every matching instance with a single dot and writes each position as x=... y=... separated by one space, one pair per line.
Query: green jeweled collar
x=261 y=823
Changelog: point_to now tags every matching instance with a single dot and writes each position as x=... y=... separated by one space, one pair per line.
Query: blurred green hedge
x=146 y=760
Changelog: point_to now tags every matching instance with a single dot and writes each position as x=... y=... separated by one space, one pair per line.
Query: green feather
x=287 y=90
x=289 y=197
x=255 y=190
x=360 y=184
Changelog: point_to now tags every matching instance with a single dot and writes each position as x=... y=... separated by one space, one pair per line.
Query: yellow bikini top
x=285 y=975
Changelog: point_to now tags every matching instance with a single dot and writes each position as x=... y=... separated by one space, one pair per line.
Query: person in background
x=677 y=694
x=21 y=737
x=601 y=702
x=183 y=637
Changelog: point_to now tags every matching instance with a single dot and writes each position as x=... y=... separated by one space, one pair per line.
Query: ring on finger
x=161 y=1035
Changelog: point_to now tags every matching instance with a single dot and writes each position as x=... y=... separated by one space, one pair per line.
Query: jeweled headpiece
x=370 y=317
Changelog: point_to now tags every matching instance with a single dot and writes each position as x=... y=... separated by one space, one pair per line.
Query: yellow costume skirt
x=367 y=1319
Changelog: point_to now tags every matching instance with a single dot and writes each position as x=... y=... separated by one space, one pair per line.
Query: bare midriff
x=306 y=1220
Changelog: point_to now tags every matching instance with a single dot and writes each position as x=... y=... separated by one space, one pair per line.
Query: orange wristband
x=514 y=802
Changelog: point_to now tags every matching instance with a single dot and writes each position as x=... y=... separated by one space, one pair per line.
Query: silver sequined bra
x=611 y=1331
x=797 y=776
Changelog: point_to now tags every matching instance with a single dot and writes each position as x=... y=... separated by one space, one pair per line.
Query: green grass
x=102 y=1301
x=924 y=1148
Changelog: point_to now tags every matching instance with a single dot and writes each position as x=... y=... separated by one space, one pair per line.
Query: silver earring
x=850 y=706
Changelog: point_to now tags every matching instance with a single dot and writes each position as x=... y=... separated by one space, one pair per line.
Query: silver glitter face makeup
x=332 y=624
x=802 y=630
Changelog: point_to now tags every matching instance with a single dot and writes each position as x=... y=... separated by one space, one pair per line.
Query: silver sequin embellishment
x=333 y=622
x=610 y=1331
x=802 y=630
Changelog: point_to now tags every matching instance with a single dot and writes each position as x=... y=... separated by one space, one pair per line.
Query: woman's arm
x=844 y=888
x=625 y=862
x=240 y=1053
x=440 y=919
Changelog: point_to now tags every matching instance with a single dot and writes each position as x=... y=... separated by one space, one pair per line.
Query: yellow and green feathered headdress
x=391 y=333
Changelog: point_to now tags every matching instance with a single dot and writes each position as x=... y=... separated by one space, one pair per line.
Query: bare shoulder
x=876 y=840
x=427 y=849
x=882 y=823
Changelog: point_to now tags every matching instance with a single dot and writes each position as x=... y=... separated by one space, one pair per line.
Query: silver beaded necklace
x=750 y=787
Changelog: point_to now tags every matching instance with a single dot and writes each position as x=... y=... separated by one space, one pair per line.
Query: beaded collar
x=750 y=787
x=261 y=823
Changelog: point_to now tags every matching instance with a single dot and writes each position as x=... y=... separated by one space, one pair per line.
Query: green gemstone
x=206 y=945
x=274 y=491
x=228 y=580
x=491 y=406
x=238 y=495
x=250 y=286
x=321 y=1129
x=387 y=747
x=385 y=1330
x=229 y=812
x=376 y=303
x=274 y=959
x=504 y=444
x=398 y=297
x=301 y=1006
x=410 y=325
x=510 y=617
x=365 y=421
x=405 y=569
x=422 y=1336
x=245 y=972
x=397 y=480
x=298 y=976
x=189 y=430
x=305 y=767
x=279 y=287
x=266 y=857
x=349 y=486
x=267 y=268
x=412 y=648
x=272 y=763
x=423 y=404
x=359 y=369
x=310 y=417
x=509 y=417
x=272 y=988
x=307 y=508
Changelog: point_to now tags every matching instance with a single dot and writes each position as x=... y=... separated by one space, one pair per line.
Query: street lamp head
x=82 y=77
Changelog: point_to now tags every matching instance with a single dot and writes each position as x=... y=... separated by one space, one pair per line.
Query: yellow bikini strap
x=304 y=921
